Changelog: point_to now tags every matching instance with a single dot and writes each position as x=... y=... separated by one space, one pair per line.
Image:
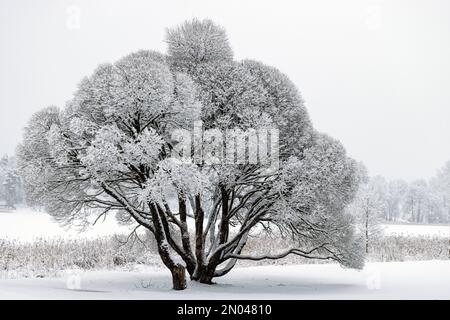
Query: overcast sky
x=374 y=74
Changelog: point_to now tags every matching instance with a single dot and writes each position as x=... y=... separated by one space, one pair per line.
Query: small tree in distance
x=441 y=187
x=112 y=149
x=10 y=184
x=368 y=208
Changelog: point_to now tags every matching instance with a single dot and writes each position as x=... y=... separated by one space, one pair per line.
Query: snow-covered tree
x=416 y=201
x=443 y=178
x=111 y=149
x=396 y=192
x=10 y=183
x=440 y=186
x=369 y=207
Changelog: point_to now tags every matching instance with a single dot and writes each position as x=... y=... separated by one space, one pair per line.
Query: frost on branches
x=10 y=184
x=110 y=150
x=368 y=207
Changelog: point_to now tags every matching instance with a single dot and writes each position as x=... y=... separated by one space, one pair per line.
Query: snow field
x=394 y=280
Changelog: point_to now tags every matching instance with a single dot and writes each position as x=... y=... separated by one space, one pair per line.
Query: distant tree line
x=419 y=201
x=379 y=200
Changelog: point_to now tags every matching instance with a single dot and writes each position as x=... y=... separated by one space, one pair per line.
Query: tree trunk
x=185 y=238
x=204 y=275
x=205 y=278
x=178 y=271
x=417 y=213
x=178 y=277
x=199 y=241
x=367 y=231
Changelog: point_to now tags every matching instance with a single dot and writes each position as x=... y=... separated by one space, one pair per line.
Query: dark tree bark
x=199 y=216
x=178 y=277
x=185 y=238
x=178 y=271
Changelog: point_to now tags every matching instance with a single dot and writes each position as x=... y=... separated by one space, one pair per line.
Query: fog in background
x=374 y=74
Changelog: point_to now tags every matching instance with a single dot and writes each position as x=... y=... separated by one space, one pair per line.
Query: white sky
x=374 y=74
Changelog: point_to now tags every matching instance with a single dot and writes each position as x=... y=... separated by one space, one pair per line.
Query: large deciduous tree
x=112 y=149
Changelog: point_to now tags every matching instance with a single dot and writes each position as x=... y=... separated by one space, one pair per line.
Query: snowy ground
x=26 y=225
x=399 y=280
x=394 y=280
